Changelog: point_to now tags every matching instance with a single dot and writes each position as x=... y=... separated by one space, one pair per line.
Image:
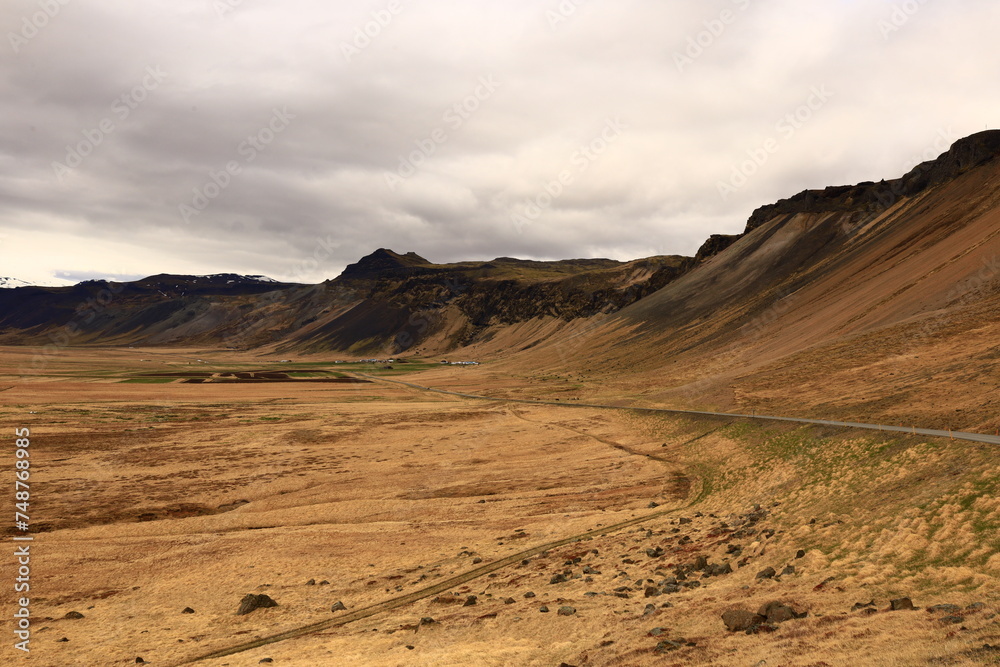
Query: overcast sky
x=291 y=138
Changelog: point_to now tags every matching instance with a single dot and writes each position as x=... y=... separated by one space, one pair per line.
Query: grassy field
x=153 y=497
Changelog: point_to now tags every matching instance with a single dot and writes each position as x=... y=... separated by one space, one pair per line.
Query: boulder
x=900 y=604
x=740 y=620
x=252 y=602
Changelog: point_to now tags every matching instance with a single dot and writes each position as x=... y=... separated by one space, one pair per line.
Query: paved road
x=957 y=435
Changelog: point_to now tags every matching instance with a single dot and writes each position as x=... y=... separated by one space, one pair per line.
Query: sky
x=291 y=138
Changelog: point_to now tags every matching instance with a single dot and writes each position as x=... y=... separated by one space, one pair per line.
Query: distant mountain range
x=13 y=282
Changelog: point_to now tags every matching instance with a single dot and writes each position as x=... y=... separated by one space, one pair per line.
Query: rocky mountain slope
x=874 y=301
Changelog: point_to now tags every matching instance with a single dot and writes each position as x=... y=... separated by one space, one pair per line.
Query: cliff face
x=870 y=197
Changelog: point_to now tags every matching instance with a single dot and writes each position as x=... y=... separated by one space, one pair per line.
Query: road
x=955 y=435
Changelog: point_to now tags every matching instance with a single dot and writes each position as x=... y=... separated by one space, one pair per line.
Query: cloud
x=373 y=84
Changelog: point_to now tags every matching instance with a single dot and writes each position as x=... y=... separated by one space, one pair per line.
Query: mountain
x=851 y=301
x=868 y=302
x=10 y=283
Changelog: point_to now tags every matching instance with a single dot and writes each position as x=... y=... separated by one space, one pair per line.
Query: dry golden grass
x=383 y=490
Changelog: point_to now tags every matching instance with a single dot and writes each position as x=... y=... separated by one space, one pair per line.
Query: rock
x=590 y=570
x=427 y=620
x=740 y=620
x=947 y=608
x=265 y=661
x=140 y=661
x=410 y=647
x=656 y=632
x=311 y=582
x=73 y=615
x=863 y=605
x=653 y=504
x=650 y=609
x=975 y=606
x=778 y=612
x=529 y=594
x=669 y=645
x=654 y=553
x=767 y=573
x=683 y=520
x=509 y=600
x=64 y=639
x=187 y=610
x=567 y=610
x=952 y=619
x=252 y=602
x=477 y=560
x=324 y=583
x=718 y=569
x=801 y=553
x=557 y=579
x=339 y=606
x=700 y=563
x=789 y=569
x=544 y=609
x=900 y=604
x=471 y=601
x=652 y=592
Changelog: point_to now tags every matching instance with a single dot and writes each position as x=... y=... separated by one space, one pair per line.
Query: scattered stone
x=557 y=579
x=650 y=609
x=801 y=553
x=975 y=606
x=64 y=639
x=544 y=609
x=140 y=661
x=779 y=612
x=740 y=620
x=187 y=610
x=477 y=560
x=529 y=594
x=655 y=553
x=767 y=573
x=470 y=601
x=683 y=520
x=324 y=583
x=948 y=608
x=952 y=619
x=718 y=569
x=265 y=661
x=509 y=600
x=427 y=620
x=900 y=604
x=252 y=602
x=863 y=605
x=311 y=582
x=410 y=647
x=656 y=632
x=669 y=645
x=652 y=591
x=790 y=569
x=339 y=606
x=567 y=610
x=653 y=504
x=73 y=615
x=590 y=570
